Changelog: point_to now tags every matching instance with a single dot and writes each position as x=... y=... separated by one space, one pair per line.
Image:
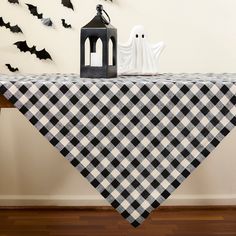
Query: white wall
x=200 y=34
x=200 y=37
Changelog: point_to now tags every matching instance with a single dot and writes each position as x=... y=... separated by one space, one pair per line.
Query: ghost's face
x=138 y=34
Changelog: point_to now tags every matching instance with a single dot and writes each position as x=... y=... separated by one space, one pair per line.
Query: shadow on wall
x=30 y=164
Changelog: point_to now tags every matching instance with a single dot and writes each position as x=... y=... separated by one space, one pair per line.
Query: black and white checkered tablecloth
x=135 y=139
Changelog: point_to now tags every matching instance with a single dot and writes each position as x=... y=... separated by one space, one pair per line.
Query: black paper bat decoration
x=14 y=28
x=34 y=11
x=42 y=54
x=67 y=3
x=10 y=68
x=14 y=1
x=65 y=24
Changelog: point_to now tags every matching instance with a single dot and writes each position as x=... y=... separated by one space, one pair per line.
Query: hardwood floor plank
x=166 y=221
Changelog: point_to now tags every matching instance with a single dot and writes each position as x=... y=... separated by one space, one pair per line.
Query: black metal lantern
x=104 y=65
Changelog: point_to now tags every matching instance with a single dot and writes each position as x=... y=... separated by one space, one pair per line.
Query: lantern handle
x=100 y=9
x=109 y=19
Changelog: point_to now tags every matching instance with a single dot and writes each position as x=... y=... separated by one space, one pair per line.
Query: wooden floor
x=166 y=221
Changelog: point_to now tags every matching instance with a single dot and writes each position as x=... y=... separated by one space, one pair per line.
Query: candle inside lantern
x=96 y=59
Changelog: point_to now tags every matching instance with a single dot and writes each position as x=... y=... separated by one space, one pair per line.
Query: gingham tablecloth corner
x=135 y=139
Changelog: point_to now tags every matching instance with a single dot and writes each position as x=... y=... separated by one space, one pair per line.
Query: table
x=135 y=139
x=4 y=103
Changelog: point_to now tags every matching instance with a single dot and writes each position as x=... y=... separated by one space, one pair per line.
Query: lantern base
x=98 y=72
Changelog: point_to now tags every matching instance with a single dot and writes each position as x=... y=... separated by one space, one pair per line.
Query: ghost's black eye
x=136 y=35
x=143 y=36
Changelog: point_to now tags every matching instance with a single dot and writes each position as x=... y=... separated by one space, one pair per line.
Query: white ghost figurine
x=137 y=56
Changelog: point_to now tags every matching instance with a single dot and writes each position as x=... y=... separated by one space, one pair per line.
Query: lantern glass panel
x=111 y=53
x=95 y=52
x=87 y=52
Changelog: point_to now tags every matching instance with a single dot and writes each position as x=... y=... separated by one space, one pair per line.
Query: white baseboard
x=96 y=200
x=52 y=200
x=201 y=200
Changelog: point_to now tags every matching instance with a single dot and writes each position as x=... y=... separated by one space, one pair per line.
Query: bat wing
x=10 y=68
x=2 y=23
x=65 y=24
x=14 y=1
x=43 y=55
x=15 y=29
x=67 y=3
x=34 y=11
x=22 y=45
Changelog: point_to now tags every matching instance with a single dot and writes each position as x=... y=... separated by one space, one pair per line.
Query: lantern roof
x=99 y=21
